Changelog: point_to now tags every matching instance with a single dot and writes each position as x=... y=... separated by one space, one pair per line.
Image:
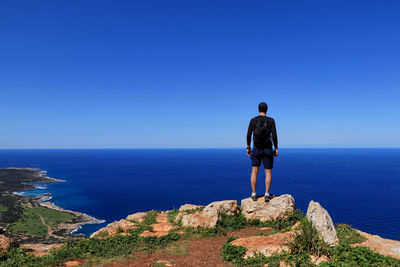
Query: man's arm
x=274 y=137
x=249 y=133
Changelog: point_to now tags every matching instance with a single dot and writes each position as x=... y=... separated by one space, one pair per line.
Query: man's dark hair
x=263 y=107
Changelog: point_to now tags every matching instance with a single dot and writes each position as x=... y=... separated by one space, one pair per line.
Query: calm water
x=360 y=187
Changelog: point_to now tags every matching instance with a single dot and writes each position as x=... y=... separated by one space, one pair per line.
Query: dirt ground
x=192 y=252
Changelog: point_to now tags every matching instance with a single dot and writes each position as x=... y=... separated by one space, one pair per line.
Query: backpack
x=262 y=133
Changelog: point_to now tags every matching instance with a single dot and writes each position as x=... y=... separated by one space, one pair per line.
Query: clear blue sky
x=191 y=73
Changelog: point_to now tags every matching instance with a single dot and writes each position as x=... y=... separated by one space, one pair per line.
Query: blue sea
x=360 y=187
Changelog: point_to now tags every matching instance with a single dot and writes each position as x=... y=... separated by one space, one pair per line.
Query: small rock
x=5 y=243
x=209 y=216
x=317 y=260
x=139 y=216
x=161 y=228
x=114 y=227
x=264 y=211
x=189 y=207
x=166 y=263
x=73 y=263
x=321 y=220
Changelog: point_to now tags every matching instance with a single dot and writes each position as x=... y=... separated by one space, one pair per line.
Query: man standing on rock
x=264 y=135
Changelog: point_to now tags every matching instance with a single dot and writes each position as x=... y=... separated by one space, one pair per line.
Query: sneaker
x=254 y=197
x=268 y=198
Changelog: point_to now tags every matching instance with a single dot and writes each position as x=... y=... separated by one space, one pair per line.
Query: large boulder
x=209 y=216
x=264 y=211
x=321 y=220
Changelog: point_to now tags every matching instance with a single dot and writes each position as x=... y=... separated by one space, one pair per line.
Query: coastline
x=43 y=200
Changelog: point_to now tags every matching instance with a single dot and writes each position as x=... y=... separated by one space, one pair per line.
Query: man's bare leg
x=268 y=178
x=254 y=173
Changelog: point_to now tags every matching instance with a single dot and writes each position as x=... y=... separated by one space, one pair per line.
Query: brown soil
x=200 y=252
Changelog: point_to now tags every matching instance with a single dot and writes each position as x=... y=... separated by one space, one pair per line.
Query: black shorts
x=265 y=155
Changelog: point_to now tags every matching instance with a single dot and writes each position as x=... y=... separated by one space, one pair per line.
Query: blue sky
x=127 y=74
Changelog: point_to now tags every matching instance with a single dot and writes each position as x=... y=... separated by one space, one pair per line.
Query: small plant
x=348 y=235
x=158 y=264
x=267 y=234
x=119 y=230
x=103 y=234
x=172 y=216
x=233 y=253
x=192 y=211
x=150 y=218
x=308 y=240
x=231 y=222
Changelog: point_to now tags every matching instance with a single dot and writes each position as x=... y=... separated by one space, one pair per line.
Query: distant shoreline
x=43 y=201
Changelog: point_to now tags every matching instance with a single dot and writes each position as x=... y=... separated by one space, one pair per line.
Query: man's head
x=263 y=107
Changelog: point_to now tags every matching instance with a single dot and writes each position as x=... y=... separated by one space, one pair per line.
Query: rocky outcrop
x=161 y=228
x=260 y=210
x=381 y=245
x=39 y=249
x=267 y=245
x=138 y=217
x=114 y=228
x=209 y=216
x=321 y=220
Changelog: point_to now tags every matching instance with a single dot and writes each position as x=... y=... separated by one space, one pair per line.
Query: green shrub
x=348 y=235
x=233 y=253
x=307 y=241
x=345 y=255
x=172 y=216
x=231 y=222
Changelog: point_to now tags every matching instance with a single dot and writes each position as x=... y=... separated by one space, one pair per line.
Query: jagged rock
x=381 y=245
x=165 y=263
x=209 y=216
x=321 y=220
x=73 y=263
x=267 y=245
x=276 y=207
x=161 y=228
x=317 y=260
x=115 y=227
x=5 y=243
x=139 y=216
x=189 y=207
x=40 y=249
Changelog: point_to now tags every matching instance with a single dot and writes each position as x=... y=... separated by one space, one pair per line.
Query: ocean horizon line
x=196 y=148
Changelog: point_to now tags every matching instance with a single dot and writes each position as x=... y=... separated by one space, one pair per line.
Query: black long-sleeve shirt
x=271 y=124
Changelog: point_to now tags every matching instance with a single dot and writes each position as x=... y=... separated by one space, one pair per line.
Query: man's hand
x=276 y=152
x=248 y=151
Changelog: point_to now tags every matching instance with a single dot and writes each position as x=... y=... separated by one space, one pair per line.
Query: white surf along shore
x=43 y=199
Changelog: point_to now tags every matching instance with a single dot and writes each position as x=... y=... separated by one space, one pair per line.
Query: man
x=264 y=130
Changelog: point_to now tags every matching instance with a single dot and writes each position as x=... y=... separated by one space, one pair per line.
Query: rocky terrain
x=222 y=233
